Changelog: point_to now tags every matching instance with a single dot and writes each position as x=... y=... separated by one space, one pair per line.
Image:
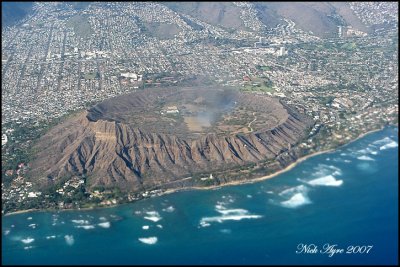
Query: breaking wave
x=383 y=141
x=104 y=224
x=297 y=196
x=363 y=157
x=324 y=170
x=325 y=181
x=86 y=227
x=153 y=216
x=69 y=239
x=27 y=240
x=228 y=214
x=80 y=221
x=296 y=200
x=169 y=209
x=389 y=145
x=148 y=240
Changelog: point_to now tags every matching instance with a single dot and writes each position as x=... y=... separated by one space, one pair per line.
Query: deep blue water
x=348 y=197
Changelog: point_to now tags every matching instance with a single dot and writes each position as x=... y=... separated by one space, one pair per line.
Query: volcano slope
x=171 y=138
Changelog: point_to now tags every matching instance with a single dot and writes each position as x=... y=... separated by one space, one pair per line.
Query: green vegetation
x=91 y=75
x=264 y=68
x=257 y=88
x=324 y=100
x=349 y=46
x=20 y=146
x=259 y=84
x=81 y=25
x=161 y=30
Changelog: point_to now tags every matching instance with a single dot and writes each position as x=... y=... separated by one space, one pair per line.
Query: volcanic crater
x=167 y=138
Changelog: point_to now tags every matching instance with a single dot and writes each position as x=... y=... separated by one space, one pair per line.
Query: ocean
x=335 y=208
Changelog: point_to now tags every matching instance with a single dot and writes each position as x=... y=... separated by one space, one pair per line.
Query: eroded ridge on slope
x=145 y=139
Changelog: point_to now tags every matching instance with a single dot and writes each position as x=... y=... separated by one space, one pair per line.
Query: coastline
x=272 y=175
x=233 y=183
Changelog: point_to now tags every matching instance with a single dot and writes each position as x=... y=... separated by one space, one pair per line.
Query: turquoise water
x=348 y=197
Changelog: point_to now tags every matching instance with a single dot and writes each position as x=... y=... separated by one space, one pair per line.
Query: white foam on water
x=32 y=225
x=389 y=145
x=336 y=169
x=169 y=209
x=51 y=237
x=339 y=160
x=296 y=200
x=148 y=240
x=69 y=239
x=328 y=159
x=249 y=196
x=152 y=218
x=80 y=221
x=138 y=212
x=293 y=190
x=324 y=170
x=12 y=225
x=220 y=219
x=6 y=232
x=102 y=219
x=27 y=240
x=219 y=206
x=29 y=218
x=226 y=231
x=347 y=160
x=86 y=227
x=159 y=226
x=204 y=224
x=383 y=141
x=145 y=227
x=325 y=181
x=230 y=214
x=337 y=173
x=28 y=247
x=234 y=211
x=343 y=154
x=374 y=152
x=270 y=192
x=363 y=157
x=104 y=224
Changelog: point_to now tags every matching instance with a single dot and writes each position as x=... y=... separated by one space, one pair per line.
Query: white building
x=4 y=139
x=281 y=51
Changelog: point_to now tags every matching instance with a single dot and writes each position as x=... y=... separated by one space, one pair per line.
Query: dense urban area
x=61 y=60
